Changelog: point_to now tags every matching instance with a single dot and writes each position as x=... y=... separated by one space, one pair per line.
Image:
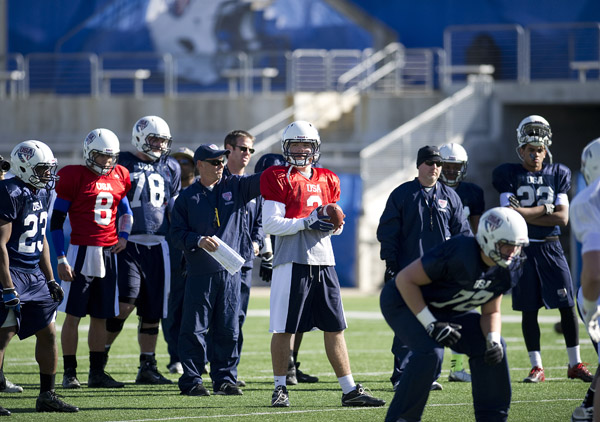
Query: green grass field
x=368 y=338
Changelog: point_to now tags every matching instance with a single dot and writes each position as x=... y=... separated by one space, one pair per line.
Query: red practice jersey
x=94 y=201
x=299 y=194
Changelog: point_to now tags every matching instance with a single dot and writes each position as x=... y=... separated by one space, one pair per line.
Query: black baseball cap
x=209 y=151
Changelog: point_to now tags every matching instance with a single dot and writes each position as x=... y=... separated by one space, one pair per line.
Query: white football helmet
x=590 y=161
x=33 y=162
x=301 y=131
x=498 y=226
x=146 y=129
x=534 y=130
x=100 y=141
x=455 y=154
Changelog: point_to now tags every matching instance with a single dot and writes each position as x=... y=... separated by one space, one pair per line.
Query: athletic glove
x=391 y=269
x=266 y=268
x=56 y=291
x=317 y=222
x=493 y=352
x=445 y=333
x=591 y=313
x=514 y=201
x=11 y=299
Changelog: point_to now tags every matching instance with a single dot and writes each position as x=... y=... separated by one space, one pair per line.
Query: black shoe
x=290 y=377
x=148 y=373
x=303 y=377
x=4 y=412
x=240 y=383
x=229 y=389
x=359 y=397
x=49 y=401
x=70 y=379
x=196 y=390
x=101 y=379
x=280 y=397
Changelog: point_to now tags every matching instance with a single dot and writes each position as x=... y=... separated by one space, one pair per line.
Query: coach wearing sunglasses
x=214 y=205
x=418 y=216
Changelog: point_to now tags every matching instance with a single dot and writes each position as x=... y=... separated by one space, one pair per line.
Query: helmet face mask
x=33 y=162
x=454 y=164
x=499 y=227
x=101 y=143
x=305 y=133
x=590 y=161
x=534 y=130
x=151 y=136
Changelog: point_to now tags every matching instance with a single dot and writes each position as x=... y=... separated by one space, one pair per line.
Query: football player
x=538 y=191
x=431 y=305
x=305 y=291
x=454 y=170
x=144 y=266
x=585 y=222
x=29 y=291
x=91 y=195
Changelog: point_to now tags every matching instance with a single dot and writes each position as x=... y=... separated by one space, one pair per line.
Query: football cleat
x=436 y=386
x=459 y=376
x=196 y=390
x=240 y=383
x=49 y=401
x=280 y=397
x=304 y=377
x=583 y=414
x=579 y=371
x=290 y=377
x=535 y=375
x=70 y=379
x=360 y=397
x=4 y=412
x=101 y=379
x=175 y=368
x=148 y=372
x=229 y=389
x=9 y=387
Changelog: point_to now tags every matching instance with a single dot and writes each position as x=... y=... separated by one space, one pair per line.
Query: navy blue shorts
x=38 y=310
x=145 y=278
x=305 y=297
x=93 y=296
x=546 y=279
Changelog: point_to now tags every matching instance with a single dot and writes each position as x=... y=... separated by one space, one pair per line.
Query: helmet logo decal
x=90 y=138
x=25 y=153
x=141 y=124
x=492 y=223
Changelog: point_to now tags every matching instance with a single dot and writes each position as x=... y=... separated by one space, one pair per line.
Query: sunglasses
x=215 y=162
x=432 y=163
x=245 y=149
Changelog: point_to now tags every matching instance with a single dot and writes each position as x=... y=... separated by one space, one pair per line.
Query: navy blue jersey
x=200 y=211
x=533 y=189
x=471 y=196
x=414 y=221
x=27 y=210
x=460 y=279
x=154 y=187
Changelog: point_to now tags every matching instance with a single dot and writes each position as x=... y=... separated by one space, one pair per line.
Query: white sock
x=347 y=383
x=535 y=358
x=279 y=380
x=574 y=356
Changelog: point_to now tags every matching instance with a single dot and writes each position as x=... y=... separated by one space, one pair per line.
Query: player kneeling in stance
x=25 y=270
x=585 y=222
x=432 y=304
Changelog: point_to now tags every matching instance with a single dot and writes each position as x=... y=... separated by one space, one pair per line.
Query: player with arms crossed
x=91 y=195
x=29 y=292
x=585 y=222
x=538 y=192
x=432 y=304
x=305 y=291
x=144 y=267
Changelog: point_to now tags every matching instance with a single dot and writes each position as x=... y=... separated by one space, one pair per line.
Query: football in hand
x=335 y=214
